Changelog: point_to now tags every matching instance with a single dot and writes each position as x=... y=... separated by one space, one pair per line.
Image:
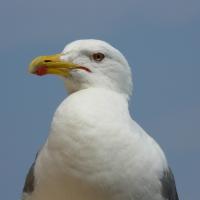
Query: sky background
x=160 y=39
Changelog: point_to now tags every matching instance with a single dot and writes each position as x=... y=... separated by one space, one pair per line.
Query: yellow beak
x=52 y=64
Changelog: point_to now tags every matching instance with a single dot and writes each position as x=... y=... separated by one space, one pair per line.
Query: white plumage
x=95 y=151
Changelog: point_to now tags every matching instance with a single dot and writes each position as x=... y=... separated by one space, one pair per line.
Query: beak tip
x=31 y=69
x=39 y=70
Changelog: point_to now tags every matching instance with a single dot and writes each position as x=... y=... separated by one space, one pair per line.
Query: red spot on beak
x=40 y=71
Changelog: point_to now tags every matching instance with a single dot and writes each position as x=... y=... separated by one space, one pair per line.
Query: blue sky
x=159 y=38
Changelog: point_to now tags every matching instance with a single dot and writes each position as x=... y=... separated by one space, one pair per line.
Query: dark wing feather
x=30 y=179
x=168 y=185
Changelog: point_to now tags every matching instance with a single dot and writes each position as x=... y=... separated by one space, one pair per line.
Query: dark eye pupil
x=98 y=56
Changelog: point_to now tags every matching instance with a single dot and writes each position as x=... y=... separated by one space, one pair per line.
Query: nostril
x=47 y=61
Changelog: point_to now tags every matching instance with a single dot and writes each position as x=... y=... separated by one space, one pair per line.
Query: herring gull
x=95 y=150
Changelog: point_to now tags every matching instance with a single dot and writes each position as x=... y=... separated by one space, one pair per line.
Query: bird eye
x=98 y=57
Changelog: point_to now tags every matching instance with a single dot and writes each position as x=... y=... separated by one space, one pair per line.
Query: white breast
x=96 y=151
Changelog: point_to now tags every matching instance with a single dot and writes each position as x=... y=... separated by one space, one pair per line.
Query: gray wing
x=30 y=180
x=29 y=184
x=168 y=185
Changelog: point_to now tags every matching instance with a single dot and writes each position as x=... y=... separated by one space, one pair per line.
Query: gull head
x=85 y=64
